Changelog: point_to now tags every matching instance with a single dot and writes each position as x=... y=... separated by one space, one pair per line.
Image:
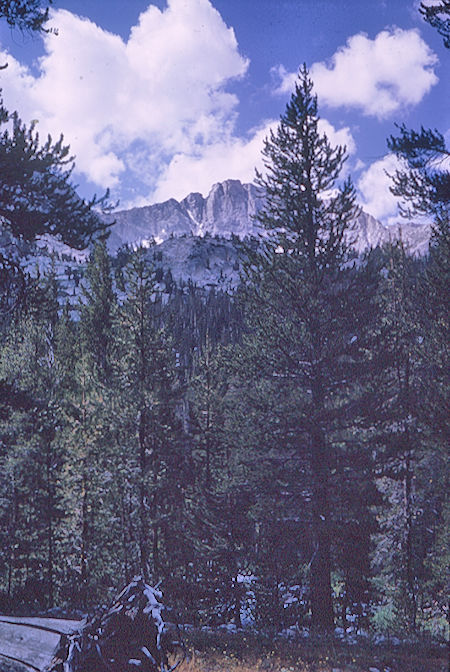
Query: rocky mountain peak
x=229 y=209
x=226 y=210
x=195 y=206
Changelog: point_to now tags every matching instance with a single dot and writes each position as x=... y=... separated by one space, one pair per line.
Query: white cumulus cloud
x=373 y=185
x=233 y=158
x=160 y=93
x=378 y=76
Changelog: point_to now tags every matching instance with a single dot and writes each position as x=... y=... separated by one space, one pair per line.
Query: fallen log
x=128 y=636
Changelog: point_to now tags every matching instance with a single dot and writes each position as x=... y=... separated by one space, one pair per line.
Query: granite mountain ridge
x=229 y=210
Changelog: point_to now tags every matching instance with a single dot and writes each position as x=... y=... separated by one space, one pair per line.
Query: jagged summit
x=228 y=210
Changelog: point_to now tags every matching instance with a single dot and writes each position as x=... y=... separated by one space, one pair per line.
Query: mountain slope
x=198 y=239
x=229 y=209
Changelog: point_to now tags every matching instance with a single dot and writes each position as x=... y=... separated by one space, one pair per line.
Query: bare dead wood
x=129 y=635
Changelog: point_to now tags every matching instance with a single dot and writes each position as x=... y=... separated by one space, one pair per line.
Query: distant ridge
x=198 y=240
x=229 y=209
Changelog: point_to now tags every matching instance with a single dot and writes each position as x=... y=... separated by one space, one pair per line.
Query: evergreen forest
x=273 y=457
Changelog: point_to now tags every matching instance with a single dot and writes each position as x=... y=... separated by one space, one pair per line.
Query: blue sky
x=160 y=99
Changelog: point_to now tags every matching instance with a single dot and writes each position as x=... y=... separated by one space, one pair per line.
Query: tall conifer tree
x=152 y=430
x=300 y=288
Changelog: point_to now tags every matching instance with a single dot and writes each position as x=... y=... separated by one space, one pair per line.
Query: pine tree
x=300 y=286
x=435 y=310
x=207 y=390
x=97 y=402
x=424 y=184
x=433 y=301
x=399 y=437
x=35 y=459
x=37 y=196
x=26 y=15
x=438 y=16
x=221 y=496
x=97 y=312
x=407 y=439
x=89 y=546
x=149 y=419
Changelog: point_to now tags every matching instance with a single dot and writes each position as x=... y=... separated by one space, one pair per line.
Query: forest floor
x=244 y=653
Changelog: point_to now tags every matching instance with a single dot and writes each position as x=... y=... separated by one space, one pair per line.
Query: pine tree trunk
x=143 y=557
x=237 y=603
x=154 y=503
x=321 y=600
x=155 y=548
x=13 y=529
x=408 y=504
x=84 y=541
x=50 y=558
x=123 y=524
x=208 y=417
x=408 y=531
x=50 y=566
